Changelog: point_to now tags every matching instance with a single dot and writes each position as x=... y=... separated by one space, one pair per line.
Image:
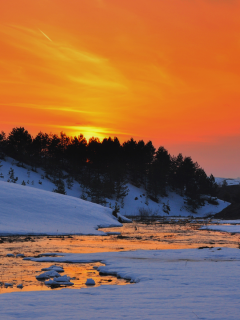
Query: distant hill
x=230 y=193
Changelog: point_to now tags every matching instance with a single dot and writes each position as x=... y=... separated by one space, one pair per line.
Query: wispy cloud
x=45 y=35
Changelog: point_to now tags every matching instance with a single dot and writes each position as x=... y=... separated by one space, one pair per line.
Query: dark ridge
x=230 y=194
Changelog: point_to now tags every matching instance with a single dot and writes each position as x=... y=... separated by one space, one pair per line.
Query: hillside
x=135 y=203
x=230 y=193
x=26 y=210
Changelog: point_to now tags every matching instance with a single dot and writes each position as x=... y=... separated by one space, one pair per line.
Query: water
x=158 y=235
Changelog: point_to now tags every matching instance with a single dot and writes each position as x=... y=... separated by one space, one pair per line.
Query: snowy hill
x=229 y=182
x=135 y=203
x=26 y=210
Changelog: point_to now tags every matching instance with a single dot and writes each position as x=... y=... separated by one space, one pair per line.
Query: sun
x=89 y=132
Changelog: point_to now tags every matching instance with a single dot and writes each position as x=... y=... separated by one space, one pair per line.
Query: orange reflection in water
x=159 y=235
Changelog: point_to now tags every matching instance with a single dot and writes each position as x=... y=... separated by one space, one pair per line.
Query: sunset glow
x=166 y=71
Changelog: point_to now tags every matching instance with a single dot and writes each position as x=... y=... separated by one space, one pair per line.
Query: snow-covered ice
x=90 y=282
x=224 y=228
x=47 y=275
x=19 y=286
x=53 y=268
x=61 y=280
x=169 y=284
x=8 y=284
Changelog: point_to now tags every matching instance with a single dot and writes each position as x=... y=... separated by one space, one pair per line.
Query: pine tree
x=69 y=182
x=11 y=176
x=116 y=210
x=158 y=174
x=3 y=143
x=95 y=190
x=121 y=188
x=19 y=142
x=83 y=195
x=60 y=187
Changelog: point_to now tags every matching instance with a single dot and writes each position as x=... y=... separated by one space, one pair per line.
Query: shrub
x=213 y=201
x=116 y=210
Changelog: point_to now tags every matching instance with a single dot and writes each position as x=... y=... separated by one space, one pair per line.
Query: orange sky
x=168 y=71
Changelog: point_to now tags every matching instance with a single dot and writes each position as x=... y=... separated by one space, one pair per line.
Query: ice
x=10 y=255
x=64 y=278
x=55 y=268
x=57 y=281
x=20 y=286
x=169 y=284
x=90 y=282
x=48 y=274
x=223 y=228
x=8 y=284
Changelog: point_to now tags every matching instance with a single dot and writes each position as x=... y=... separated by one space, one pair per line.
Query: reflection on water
x=18 y=271
x=161 y=234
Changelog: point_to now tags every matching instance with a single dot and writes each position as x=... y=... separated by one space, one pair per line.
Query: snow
x=174 y=200
x=48 y=274
x=164 y=284
x=90 y=282
x=53 y=268
x=8 y=284
x=220 y=221
x=32 y=178
x=131 y=206
x=170 y=284
x=60 y=280
x=223 y=228
x=26 y=210
x=230 y=182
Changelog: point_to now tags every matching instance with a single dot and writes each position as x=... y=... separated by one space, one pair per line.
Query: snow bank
x=26 y=210
x=224 y=228
x=171 y=284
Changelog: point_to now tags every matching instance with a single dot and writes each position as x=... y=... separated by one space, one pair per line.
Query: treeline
x=103 y=169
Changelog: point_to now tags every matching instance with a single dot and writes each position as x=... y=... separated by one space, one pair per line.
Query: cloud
x=45 y=35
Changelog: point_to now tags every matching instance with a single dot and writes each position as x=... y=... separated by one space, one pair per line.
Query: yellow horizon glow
x=166 y=71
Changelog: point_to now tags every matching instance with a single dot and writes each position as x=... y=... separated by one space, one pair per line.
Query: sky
x=159 y=70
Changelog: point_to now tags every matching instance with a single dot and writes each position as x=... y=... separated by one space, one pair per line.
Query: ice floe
x=90 y=282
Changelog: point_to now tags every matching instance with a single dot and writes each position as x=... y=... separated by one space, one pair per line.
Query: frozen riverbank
x=171 y=284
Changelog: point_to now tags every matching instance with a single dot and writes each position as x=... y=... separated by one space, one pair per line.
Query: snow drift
x=26 y=210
